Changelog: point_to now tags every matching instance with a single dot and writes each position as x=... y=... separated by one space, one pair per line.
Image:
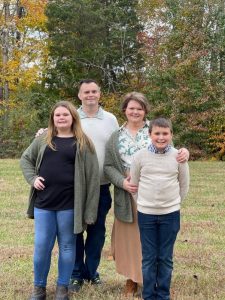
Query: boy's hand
x=129 y=187
x=40 y=131
x=183 y=155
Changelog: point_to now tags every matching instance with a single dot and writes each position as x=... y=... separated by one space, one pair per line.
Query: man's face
x=89 y=94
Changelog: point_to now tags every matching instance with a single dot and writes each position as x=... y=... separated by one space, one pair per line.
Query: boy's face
x=161 y=137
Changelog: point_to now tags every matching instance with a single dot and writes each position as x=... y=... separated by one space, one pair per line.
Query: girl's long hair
x=79 y=135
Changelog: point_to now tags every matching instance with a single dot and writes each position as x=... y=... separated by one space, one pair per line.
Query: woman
x=131 y=137
x=62 y=167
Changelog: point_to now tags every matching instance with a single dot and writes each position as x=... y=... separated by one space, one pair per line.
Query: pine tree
x=93 y=39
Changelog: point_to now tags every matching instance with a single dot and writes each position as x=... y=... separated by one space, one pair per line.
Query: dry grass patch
x=199 y=260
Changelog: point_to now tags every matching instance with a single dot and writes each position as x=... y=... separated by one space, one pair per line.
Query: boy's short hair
x=161 y=122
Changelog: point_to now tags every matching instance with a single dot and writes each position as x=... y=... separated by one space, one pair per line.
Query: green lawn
x=199 y=262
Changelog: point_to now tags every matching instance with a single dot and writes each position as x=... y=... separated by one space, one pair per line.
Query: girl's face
x=62 y=118
x=134 y=112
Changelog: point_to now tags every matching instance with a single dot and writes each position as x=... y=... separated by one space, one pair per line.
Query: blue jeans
x=88 y=252
x=158 y=235
x=49 y=225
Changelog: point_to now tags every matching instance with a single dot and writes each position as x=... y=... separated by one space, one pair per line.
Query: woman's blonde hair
x=76 y=129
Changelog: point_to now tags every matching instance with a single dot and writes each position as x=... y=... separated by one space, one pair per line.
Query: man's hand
x=40 y=131
x=183 y=155
x=129 y=187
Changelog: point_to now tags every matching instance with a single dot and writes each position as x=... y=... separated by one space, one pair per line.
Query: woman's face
x=134 y=112
x=62 y=118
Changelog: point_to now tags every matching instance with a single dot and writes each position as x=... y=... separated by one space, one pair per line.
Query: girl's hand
x=183 y=155
x=129 y=187
x=38 y=183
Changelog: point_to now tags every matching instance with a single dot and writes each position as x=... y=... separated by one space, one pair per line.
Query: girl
x=62 y=168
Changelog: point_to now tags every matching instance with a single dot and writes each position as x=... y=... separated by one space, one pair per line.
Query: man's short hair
x=87 y=81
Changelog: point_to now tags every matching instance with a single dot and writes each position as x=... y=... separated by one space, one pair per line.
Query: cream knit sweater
x=162 y=182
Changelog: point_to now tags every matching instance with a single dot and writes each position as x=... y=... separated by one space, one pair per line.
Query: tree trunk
x=5 y=58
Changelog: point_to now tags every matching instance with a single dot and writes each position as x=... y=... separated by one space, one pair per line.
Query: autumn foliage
x=173 y=51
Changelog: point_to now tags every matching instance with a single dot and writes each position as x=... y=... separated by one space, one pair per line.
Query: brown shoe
x=138 y=293
x=39 y=293
x=130 y=287
x=61 y=293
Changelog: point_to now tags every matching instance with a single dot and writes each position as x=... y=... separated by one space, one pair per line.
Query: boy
x=162 y=185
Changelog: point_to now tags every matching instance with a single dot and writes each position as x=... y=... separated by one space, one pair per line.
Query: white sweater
x=99 y=129
x=162 y=182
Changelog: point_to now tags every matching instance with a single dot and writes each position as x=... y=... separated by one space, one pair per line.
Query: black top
x=57 y=168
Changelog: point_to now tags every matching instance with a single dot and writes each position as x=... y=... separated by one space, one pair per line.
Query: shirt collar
x=99 y=114
x=123 y=127
x=153 y=149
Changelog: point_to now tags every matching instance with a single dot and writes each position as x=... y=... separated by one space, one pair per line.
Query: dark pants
x=158 y=234
x=88 y=252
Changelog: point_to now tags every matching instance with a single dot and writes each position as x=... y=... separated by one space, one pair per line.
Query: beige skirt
x=126 y=248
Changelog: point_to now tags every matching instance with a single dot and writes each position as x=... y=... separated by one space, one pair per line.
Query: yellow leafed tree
x=23 y=47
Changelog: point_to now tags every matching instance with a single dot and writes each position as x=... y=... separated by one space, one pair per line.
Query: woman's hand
x=183 y=155
x=129 y=187
x=38 y=183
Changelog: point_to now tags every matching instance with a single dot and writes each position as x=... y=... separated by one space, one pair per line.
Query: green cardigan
x=115 y=172
x=86 y=181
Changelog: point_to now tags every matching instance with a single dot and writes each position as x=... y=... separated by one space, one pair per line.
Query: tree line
x=171 y=50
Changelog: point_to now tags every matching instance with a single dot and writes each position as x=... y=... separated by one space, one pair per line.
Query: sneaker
x=75 y=285
x=96 y=280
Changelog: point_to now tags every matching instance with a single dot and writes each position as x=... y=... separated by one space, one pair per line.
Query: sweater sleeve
x=111 y=165
x=92 y=186
x=28 y=161
x=135 y=172
x=135 y=169
x=184 y=179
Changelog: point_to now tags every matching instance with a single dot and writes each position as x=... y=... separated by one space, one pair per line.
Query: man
x=98 y=125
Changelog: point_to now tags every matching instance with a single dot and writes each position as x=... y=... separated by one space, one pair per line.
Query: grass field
x=199 y=261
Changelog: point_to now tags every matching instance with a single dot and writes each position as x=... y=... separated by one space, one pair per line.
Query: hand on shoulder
x=183 y=155
x=40 y=131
